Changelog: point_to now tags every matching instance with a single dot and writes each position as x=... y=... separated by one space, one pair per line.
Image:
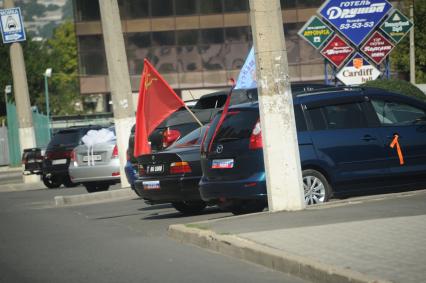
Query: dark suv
x=344 y=137
x=58 y=154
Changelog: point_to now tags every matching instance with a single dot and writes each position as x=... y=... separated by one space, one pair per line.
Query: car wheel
x=316 y=187
x=52 y=181
x=68 y=183
x=247 y=206
x=96 y=187
x=189 y=207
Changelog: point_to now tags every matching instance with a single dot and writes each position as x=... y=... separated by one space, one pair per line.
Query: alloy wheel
x=314 y=190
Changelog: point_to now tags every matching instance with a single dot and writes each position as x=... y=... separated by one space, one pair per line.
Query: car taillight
x=73 y=156
x=115 y=152
x=169 y=137
x=256 y=137
x=180 y=168
x=141 y=170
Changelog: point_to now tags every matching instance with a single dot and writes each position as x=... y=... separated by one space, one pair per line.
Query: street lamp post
x=47 y=74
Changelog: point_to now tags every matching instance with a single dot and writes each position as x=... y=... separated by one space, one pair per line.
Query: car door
x=353 y=152
x=407 y=119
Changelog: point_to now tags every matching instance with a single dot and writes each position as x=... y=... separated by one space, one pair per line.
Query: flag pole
x=193 y=115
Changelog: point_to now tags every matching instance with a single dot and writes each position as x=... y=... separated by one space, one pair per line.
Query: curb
x=302 y=267
x=118 y=194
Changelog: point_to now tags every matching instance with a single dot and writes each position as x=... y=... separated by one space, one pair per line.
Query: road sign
x=316 y=32
x=12 y=27
x=355 y=19
x=377 y=47
x=357 y=71
x=396 y=26
x=337 y=51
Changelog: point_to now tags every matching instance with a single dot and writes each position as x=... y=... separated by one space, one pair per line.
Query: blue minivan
x=344 y=137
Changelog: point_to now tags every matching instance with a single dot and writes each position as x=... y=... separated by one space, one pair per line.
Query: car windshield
x=193 y=138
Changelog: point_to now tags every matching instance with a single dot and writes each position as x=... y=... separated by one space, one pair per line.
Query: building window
x=235 y=5
x=187 y=37
x=237 y=34
x=162 y=8
x=286 y=4
x=93 y=63
x=138 y=40
x=87 y=10
x=213 y=35
x=211 y=6
x=163 y=38
x=134 y=9
x=90 y=43
x=186 y=7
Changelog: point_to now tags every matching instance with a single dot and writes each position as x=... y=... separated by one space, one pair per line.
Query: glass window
x=188 y=59
x=292 y=40
x=138 y=40
x=193 y=138
x=90 y=42
x=186 y=7
x=213 y=35
x=308 y=3
x=237 y=125
x=340 y=116
x=162 y=38
x=93 y=63
x=161 y=8
x=286 y=4
x=87 y=10
x=211 y=6
x=235 y=5
x=300 y=119
x=394 y=113
x=187 y=37
x=213 y=56
x=237 y=34
x=134 y=9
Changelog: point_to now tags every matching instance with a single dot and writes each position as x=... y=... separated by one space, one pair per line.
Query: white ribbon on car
x=96 y=137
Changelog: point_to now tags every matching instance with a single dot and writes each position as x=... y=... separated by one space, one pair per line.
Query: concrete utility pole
x=280 y=147
x=119 y=79
x=23 y=107
x=412 y=48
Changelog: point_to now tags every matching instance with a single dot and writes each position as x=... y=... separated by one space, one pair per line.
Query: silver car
x=96 y=166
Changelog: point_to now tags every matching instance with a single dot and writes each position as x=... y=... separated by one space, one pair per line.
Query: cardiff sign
x=357 y=71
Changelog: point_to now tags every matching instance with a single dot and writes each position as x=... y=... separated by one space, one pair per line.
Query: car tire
x=316 y=187
x=52 y=181
x=247 y=206
x=189 y=207
x=68 y=183
x=96 y=187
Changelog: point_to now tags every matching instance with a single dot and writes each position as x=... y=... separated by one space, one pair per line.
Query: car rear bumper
x=171 y=189
x=253 y=187
x=97 y=173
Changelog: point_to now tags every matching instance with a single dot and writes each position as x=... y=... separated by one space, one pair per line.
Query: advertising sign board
x=357 y=71
x=355 y=19
x=337 y=51
x=377 y=47
x=12 y=28
x=316 y=32
x=396 y=26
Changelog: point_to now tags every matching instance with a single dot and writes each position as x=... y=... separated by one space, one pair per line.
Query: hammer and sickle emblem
x=149 y=80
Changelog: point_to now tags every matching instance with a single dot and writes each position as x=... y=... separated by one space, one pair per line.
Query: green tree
x=35 y=56
x=63 y=85
x=400 y=57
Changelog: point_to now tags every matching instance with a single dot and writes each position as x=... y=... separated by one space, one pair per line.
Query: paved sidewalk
x=370 y=239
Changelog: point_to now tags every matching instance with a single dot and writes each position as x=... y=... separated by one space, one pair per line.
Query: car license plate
x=59 y=161
x=151 y=185
x=155 y=168
x=222 y=163
x=95 y=157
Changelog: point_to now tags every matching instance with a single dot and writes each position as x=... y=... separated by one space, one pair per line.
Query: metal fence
x=4 y=147
x=41 y=130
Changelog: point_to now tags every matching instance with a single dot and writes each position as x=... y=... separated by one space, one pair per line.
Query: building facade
x=194 y=44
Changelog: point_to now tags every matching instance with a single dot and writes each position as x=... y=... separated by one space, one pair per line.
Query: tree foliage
x=58 y=53
x=400 y=57
x=398 y=86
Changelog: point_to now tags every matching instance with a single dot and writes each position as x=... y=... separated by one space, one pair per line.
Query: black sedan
x=172 y=175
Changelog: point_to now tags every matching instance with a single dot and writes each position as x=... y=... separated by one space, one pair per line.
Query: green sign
x=316 y=32
x=396 y=26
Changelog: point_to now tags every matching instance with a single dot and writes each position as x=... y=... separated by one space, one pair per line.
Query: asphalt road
x=123 y=241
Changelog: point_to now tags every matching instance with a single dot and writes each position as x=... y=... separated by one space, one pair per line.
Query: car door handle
x=368 y=138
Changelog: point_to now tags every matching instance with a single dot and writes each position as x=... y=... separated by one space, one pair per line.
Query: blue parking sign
x=355 y=19
x=12 y=27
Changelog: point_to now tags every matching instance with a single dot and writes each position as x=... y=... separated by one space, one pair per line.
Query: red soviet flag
x=157 y=100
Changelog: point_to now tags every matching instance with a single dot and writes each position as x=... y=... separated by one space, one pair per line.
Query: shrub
x=398 y=86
